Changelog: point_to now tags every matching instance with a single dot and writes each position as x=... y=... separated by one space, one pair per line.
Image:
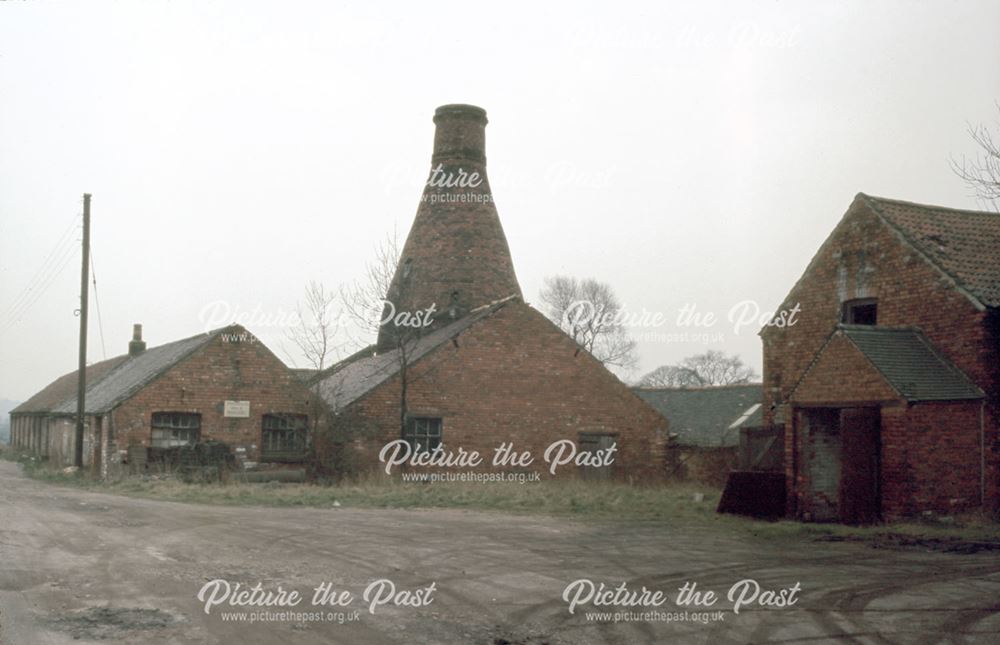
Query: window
x=283 y=436
x=172 y=429
x=863 y=311
x=423 y=433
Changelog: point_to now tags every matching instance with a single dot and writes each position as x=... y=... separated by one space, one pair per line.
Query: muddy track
x=78 y=567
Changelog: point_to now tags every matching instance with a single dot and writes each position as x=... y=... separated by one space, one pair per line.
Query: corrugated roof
x=964 y=244
x=134 y=374
x=704 y=416
x=112 y=381
x=910 y=364
x=304 y=374
x=349 y=381
x=64 y=387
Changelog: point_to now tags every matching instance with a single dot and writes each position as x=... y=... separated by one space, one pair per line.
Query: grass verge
x=673 y=504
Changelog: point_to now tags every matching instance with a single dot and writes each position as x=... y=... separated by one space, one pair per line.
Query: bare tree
x=314 y=334
x=589 y=311
x=670 y=376
x=982 y=173
x=711 y=368
x=317 y=326
x=367 y=302
x=365 y=299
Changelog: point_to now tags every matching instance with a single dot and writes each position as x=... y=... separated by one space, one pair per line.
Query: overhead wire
x=97 y=301
x=53 y=264
x=38 y=291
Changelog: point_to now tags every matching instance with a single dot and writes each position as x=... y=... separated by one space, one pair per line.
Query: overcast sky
x=686 y=153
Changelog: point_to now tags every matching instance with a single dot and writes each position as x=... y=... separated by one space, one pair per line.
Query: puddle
x=108 y=623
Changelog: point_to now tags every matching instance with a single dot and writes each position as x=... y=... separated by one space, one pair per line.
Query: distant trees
x=588 y=311
x=982 y=173
x=711 y=368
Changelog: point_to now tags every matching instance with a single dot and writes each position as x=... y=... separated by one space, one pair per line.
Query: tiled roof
x=963 y=244
x=705 y=416
x=349 y=380
x=910 y=364
x=114 y=380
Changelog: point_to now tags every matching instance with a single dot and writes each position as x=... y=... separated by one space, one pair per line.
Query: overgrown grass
x=673 y=504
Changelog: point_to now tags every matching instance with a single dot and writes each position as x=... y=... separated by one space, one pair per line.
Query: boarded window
x=863 y=311
x=591 y=442
x=172 y=429
x=283 y=436
x=423 y=433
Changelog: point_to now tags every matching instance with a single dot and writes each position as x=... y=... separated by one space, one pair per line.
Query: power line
x=38 y=291
x=65 y=245
x=97 y=301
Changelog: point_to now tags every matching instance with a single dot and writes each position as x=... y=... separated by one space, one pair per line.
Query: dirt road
x=79 y=567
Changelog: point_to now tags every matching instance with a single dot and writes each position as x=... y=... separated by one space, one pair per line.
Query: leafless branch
x=982 y=172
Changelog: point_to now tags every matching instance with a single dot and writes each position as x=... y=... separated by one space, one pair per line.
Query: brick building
x=487 y=368
x=705 y=425
x=222 y=385
x=888 y=381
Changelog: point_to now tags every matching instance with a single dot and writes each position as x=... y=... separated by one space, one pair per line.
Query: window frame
x=173 y=424
x=425 y=432
x=284 y=452
x=850 y=307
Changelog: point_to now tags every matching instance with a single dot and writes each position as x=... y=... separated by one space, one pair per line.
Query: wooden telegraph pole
x=81 y=375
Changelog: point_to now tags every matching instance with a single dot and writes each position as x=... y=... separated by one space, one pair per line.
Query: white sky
x=692 y=153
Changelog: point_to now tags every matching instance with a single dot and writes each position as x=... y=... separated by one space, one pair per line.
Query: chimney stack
x=456 y=256
x=137 y=345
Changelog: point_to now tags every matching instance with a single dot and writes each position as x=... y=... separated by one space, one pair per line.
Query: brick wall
x=456 y=253
x=865 y=258
x=234 y=367
x=939 y=456
x=842 y=374
x=516 y=377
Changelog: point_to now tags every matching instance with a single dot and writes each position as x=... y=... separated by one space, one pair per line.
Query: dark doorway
x=860 y=495
x=822 y=434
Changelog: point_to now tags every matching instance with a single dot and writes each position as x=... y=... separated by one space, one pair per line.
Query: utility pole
x=81 y=375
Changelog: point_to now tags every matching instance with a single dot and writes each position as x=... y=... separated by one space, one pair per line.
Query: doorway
x=842 y=464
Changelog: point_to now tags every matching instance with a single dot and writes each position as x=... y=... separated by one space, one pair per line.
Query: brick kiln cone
x=456 y=256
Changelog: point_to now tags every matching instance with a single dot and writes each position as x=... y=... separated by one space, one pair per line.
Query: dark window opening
x=171 y=429
x=861 y=312
x=283 y=436
x=423 y=433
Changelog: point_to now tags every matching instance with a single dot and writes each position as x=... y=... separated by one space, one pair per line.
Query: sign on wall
x=239 y=409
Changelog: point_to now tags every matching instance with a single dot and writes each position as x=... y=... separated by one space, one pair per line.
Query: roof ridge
x=695 y=388
x=957 y=281
x=127 y=392
x=856 y=327
x=927 y=207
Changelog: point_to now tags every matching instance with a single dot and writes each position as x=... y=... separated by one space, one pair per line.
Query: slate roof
x=963 y=244
x=910 y=364
x=116 y=379
x=705 y=416
x=349 y=380
x=756 y=418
